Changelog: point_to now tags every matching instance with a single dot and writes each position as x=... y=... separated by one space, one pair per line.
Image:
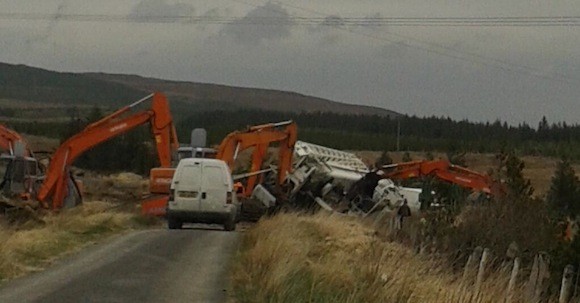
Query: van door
x=214 y=188
x=188 y=187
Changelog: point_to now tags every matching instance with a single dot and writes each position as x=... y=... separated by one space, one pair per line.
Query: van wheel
x=174 y=224
x=230 y=224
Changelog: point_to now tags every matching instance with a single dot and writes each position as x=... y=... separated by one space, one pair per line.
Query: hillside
x=217 y=96
x=28 y=84
x=24 y=83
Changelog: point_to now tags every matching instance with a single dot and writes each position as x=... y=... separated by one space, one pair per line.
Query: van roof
x=199 y=160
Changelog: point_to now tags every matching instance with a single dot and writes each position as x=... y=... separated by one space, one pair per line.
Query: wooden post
x=513 y=280
x=481 y=272
x=575 y=294
x=543 y=276
x=533 y=281
x=567 y=279
x=470 y=265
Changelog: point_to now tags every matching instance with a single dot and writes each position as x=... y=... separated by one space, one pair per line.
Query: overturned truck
x=333 y=180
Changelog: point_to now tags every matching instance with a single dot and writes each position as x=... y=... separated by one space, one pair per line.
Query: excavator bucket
x=74 y=193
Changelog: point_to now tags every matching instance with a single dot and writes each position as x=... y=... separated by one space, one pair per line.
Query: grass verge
x=33 y=246
x=322 y=258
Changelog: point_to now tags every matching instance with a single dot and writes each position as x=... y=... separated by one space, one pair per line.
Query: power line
x=346 y=24
x=535 y=21
x=443 y=50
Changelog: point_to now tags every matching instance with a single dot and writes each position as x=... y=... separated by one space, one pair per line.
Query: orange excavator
x=21 y=172
x=445 y=171
x=55 y=190
x=259 y=137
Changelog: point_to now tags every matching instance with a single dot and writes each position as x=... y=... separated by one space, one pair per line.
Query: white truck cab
x=202 y=191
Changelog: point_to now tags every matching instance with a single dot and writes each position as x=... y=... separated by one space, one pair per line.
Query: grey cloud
x=329 y=31
x=213 y=13
x=249 y=30
x=44 y=35
x=395 y=50
x=147 y=9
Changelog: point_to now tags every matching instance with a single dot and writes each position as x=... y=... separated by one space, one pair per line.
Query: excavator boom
x=443 y=170
x=260 y=137
x=55 y=185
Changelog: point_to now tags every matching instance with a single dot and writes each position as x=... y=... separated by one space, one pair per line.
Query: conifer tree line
x=352 y=132
x=349 y=132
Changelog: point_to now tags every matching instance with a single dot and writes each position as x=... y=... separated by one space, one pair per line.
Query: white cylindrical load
x=19 y=149
x=198 y=138
x=331 y=157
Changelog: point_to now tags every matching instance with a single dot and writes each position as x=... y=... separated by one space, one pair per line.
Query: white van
x=202 y=191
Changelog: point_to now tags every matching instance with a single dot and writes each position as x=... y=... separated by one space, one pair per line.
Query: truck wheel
x=173 y=223
x=230 y=224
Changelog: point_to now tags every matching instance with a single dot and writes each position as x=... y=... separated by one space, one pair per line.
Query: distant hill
x=24 y=83
x=222 y=97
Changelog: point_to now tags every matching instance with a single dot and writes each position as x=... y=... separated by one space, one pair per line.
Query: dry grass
x=33 y=245
x=122 y=187
x=322 y=258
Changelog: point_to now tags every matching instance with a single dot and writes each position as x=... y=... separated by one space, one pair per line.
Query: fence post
x=481 y=272
x=575 y=294
x=543 y=276
x=533 y=281
x=513 y=280
x=471 y=262
x=567 y=279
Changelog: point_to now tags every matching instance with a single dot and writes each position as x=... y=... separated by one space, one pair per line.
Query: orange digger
x=59 y=190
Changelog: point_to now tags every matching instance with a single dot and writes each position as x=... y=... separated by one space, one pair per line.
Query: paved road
x=146 y=266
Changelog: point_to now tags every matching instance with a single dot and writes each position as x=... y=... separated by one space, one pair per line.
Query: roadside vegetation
x=32 y=245
x=330 y=258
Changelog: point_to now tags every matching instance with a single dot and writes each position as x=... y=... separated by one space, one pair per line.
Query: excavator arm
x=9 y=139
x=442 y=170
x=54 y=186
x=260 y=137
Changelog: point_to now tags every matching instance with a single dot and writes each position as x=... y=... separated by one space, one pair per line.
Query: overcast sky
x=514 y=74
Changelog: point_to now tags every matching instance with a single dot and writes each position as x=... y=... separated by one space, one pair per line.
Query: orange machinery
x=21 y=170
x=9 y=139
x=445 y=171
x=56 y=186
x=259 y=137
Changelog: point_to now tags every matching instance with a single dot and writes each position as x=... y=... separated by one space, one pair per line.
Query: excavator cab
x=21 y=175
